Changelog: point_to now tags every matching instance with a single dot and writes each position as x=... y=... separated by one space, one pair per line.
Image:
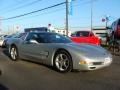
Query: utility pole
x=67 y=17
x=91 y=15
x=107 y=19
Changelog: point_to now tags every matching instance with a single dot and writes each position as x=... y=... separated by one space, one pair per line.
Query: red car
x=85 y=37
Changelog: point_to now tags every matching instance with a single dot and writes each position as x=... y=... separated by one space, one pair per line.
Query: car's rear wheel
x=14 y=53
x=63 y=61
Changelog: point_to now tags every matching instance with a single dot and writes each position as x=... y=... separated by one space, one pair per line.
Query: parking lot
x=24 y=75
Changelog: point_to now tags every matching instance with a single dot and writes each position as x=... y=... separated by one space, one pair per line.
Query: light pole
x=91 y=14
x=107 y=19
x=67 y=17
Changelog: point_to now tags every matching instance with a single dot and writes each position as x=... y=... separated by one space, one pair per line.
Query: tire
x=14 y=53
x=63 y=61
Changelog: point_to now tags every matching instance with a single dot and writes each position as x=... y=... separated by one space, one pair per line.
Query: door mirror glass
x=33 y=41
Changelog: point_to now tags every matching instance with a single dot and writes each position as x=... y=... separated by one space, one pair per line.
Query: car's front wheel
x=13 y=53
x=63 y=61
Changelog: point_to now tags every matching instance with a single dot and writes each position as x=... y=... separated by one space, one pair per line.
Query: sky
x=80 y=18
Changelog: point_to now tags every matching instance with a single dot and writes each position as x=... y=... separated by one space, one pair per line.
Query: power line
x=57 y=10
x=34 y=11
x=60 y=9
x=76 y=5
x=9 y=6
x=23 y=6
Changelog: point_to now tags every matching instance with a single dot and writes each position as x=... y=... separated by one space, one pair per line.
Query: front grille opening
x=97 y=63
x=92 y=67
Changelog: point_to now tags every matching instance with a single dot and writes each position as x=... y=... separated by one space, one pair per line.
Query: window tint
x=42 y=38
x=29 y=36
x=54 y=38
x=48 y=38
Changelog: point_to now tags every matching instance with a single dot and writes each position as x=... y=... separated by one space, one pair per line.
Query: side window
x=119 y=22
x=116 y=24
x=29 y=37
x=79 y=34
x=34 y=37
x=42 y=38
x=113 y=26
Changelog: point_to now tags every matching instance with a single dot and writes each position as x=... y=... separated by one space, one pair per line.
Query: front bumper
x=94 y=65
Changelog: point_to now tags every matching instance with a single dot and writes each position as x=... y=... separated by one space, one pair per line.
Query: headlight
x=86 y=61
x=82 y=62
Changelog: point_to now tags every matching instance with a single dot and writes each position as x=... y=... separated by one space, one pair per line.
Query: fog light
x=107 y=60
x=82 y=62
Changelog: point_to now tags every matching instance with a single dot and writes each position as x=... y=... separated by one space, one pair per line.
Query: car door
x=32 y=49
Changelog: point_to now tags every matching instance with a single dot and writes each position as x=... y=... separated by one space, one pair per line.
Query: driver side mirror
x=33 y=41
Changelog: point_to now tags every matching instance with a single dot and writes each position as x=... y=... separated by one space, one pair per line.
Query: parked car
x=5 y=40
x=1 y=40
x=58 y=51
x=2 y=37
x=102 y=37
x=113 y=38
x=115 y=28
x=8 y=37
x=85 y=37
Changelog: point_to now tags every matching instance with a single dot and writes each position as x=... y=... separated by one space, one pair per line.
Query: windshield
x=19 y=35
x=52 y=38
x=9 y=36
x=82 y=34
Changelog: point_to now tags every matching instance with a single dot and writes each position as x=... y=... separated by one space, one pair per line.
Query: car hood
x=89 y=50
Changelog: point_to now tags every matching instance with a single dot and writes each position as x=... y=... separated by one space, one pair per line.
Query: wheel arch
x=16 y=56
x=12 y=46
x=57 y=50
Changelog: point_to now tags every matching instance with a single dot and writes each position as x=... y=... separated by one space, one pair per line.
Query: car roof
x=83 y=31
x=43 y=32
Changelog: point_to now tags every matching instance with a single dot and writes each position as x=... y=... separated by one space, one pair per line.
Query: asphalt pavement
x=25 y=75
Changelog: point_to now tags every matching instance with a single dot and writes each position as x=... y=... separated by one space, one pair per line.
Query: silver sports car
x=58 y=51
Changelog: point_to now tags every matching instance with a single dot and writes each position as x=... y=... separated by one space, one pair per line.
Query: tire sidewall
x=70 y=61
x=16 y=52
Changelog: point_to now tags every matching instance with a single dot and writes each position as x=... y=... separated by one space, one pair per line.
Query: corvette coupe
x=58 y=51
